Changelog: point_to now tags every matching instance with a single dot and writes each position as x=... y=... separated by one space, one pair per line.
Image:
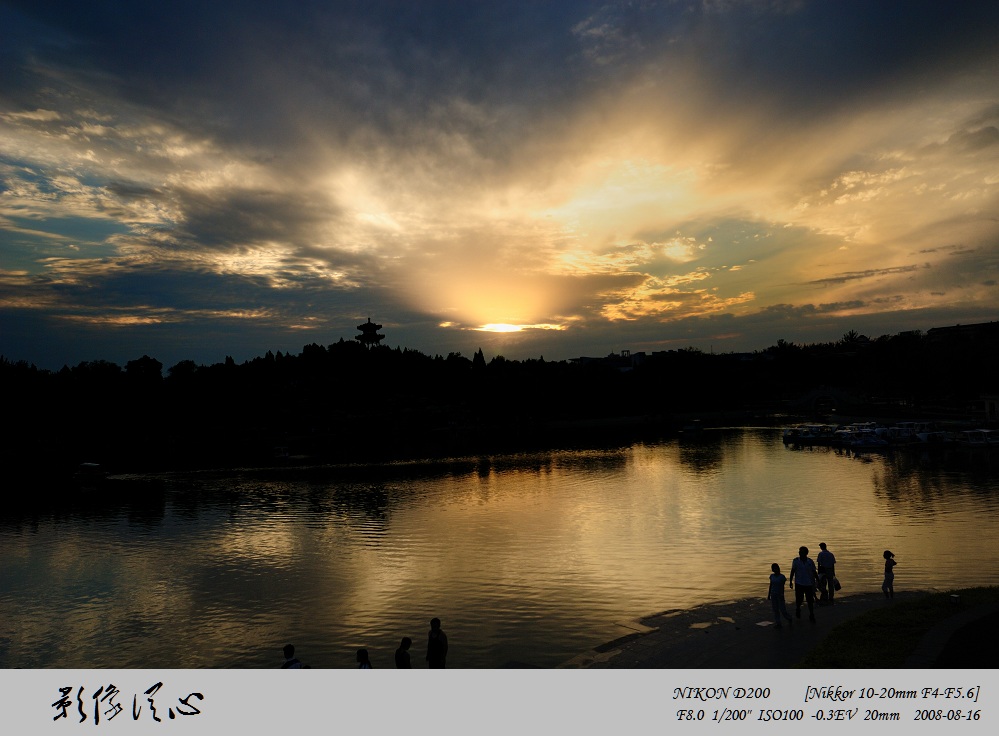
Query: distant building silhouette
x=369 y=334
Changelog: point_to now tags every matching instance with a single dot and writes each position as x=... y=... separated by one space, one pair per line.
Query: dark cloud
x=808 y=58
x=975 y=140
x=247 y=68
x=265 y=73
x=235 y=218
x=133 y=191
x=867 y=274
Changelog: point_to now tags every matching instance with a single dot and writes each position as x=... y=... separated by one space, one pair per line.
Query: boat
x=861 y=436
x=903 y=433
x=810 y=434
x=977 y=438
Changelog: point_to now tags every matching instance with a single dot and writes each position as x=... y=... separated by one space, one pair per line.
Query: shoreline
x=730 y=634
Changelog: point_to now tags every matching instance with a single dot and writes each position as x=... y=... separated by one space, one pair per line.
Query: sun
x=492 y=327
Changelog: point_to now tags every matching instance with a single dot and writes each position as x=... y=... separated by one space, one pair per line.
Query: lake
x=527 y=559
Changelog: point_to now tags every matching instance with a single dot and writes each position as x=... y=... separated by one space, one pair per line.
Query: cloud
x=595 y=167
x=38 y=116
x=842 y=278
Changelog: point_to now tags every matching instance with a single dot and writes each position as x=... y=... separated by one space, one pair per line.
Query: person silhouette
x=803 y=578
x=363 y=663
x=290 y=662
x=827 y=575
x=776 y=596
x=888 y=586
x=402 y=661
x=436 y=645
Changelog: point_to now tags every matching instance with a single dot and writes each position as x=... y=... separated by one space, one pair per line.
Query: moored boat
x=977 y=438
x=861 y=436
x=810 y=434
x=902 y=433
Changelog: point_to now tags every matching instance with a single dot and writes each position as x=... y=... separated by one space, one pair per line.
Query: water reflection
x=928 y=481
x=528 y=558
x=702 y=451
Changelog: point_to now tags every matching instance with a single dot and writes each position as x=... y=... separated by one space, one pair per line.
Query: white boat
x=979 y=438
x=913 y=433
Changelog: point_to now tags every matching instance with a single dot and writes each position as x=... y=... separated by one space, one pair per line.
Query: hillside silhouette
x=351 y=403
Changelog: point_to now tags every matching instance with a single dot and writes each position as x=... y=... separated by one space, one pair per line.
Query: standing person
x=827 y=574
x=402 y=654
x=290 y=662
x=436 y=645
x=363 y=663
x=888 y=586
x=804 y=576
x=776 y=596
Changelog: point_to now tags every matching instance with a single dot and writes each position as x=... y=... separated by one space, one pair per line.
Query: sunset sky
x=191 y=180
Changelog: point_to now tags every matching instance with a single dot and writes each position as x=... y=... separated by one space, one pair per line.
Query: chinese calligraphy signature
x=105 y=703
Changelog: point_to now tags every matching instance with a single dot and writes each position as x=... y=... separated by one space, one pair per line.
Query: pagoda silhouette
x=369 y=334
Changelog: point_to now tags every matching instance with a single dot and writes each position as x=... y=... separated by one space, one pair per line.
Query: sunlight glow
x=494 y=327
x=500 y=328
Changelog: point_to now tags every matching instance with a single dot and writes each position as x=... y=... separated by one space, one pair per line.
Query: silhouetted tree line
x=348 y=403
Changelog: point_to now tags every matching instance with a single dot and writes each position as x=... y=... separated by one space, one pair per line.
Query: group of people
x=436 y=652
x=436 y=649
x=807 y=578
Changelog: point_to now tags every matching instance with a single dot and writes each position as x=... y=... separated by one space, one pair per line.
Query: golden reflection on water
x=528 y=558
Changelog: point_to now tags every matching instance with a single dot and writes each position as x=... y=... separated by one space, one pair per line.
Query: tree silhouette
x=347 y=402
